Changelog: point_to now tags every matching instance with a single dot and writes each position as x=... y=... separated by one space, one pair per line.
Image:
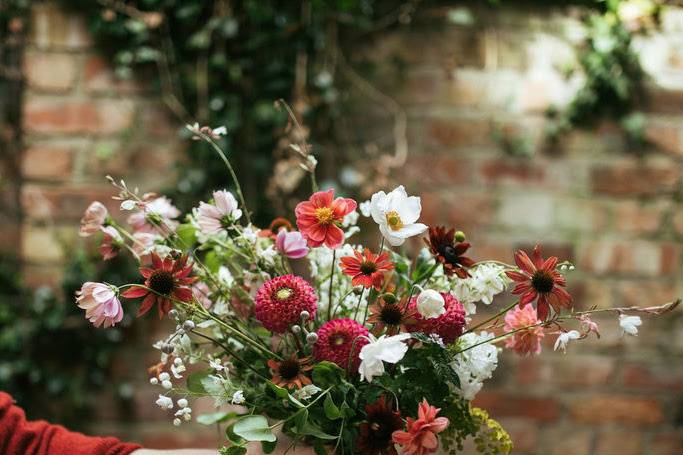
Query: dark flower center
x=391 y=315
x=368 y=267
x=542 y=282
x=449 y=253
x=161 y=282
x=289 y=369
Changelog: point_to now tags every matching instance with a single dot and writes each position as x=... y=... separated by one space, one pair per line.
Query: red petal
x=334 y=237
x=527 y=298
x=183 y=294
x=565 y=299
x=156 y=261
x=538 y=259
x=517 y=276
x=521 y=288
x=322 y=198
x=549 y=263
x=134 y=292
x=146 y=272
x=523 y=262
x=146 y=305
x=542 y=309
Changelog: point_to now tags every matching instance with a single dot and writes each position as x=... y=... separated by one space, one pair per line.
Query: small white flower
x=182 y=403
x=250 y=234
x=178 y=361
x=238 y=397
x=216 y=364
x=164 y=402
x=153 y=381
x=178 y=370
x=350 y=219
x=476 y=364
x=564 y=338
x=128 y=204
x=177 y=422
x=164 y=376
x=268 y=254
x=166 y=385
x=396 y=214
x=431 y=304
x=378 y=350
x=306 y=392
x=185 y=413
x=630 y=324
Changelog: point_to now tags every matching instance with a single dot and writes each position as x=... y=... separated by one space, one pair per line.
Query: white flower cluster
x=475 y=365
x=485 y=282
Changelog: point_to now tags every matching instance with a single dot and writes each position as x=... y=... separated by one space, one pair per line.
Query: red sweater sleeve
x=20 y=437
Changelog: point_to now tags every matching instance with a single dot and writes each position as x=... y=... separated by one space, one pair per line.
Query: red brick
x=569 y=371
x=627 y=409
x=64 y=203
x=665 y=136
x=454 y=133
x=677 y=219
x=619 y=442
x=668 y=443
x=635 y=217
x=69 y=117
x=503 y=405
x=52 y=27
x=443 y=170
x=659 y=377
x=522 y=171
x=645 y=293
x=48 y=71
x=633 y=258
x=43 y=162
x=635 y=179
x=563 y=440
x=100 y=78
x=524 y=433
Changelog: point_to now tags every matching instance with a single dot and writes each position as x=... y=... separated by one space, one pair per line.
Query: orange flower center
x=394 y=221
x=324 y=215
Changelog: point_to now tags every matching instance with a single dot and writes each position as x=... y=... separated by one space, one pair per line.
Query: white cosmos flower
x=564 y=338
x=378 y=350
x=630 y=324
x=430 y=304
x=396 y=214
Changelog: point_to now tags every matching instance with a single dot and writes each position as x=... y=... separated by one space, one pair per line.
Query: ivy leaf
x=331 y=410
x=327 y=374
x=215 y=417
x=254 y=428
x=301 y=419
x=268 y=446
x=194 y=382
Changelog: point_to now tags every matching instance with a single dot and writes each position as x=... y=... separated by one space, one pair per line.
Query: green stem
x=496 y=316
x=329 y=293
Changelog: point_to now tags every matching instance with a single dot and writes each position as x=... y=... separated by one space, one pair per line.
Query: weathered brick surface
x=469 y=93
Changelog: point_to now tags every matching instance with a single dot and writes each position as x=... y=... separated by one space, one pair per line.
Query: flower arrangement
x=336 y=345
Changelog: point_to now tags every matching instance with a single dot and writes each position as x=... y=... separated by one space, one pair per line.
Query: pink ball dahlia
x=280 y=301
x=449 y=326
x=335 y=341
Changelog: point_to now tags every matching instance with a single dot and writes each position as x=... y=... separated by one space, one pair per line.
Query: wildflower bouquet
x=294 y=329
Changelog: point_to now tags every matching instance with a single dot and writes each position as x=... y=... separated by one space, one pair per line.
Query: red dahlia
x=448 y=251
x=449 y=326
x=280 y=301
x=374 y=435
x=336 y=342
x=538 y=278
x=166 y=280
x=367 y=269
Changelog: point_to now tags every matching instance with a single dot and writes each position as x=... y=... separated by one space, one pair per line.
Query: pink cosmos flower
x=319 y=218
x=100 y=303
x=291 y=244
x=111 y=243
x=154 y=211
x=420 y=435
x=527 y=341
x=216 y=217
x=93 y=219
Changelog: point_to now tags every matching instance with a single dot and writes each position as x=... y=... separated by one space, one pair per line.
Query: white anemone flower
x=564 y=338
x=630 y=324
x=378 y=350
x=396 y=214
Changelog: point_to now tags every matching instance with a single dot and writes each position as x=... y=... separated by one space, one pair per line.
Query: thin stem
x=494 y=317
x=231 y=353
x=360 y=299
x=329 y=293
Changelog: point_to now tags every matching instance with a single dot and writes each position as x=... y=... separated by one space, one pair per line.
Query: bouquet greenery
x=335 y=345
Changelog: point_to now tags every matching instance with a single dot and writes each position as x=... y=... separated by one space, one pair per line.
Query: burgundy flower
x=165 y=281
x=374 y=435
x=538 y=279
x=448 y=251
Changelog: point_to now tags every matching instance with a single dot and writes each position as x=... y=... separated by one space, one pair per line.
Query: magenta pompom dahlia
x=280 y=301
x=336 y=340
x=449 y=326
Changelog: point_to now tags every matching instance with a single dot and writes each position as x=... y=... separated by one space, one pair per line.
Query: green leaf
x=187 y=233
x=212 y=262
x=215 y=417
x=347 y=411
x=311 y=430
x=194 y=382
x=235 y=450
x=327 y=374
x=280 y=392
x=268 y=446
x=319 y=448
x=300 y=419
x=331 y=410
x=254 y=428
x=232 y=437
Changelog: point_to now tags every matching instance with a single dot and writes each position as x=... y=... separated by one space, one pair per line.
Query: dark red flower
x=291 y=373
x=367 y=269
x=448 y=251
x=374 y=434
x=538 y=278
x=166 y=280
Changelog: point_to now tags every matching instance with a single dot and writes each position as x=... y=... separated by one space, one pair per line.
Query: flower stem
x=492 y=318
x=329 y=293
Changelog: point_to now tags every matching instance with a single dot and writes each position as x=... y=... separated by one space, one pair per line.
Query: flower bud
x=389 y=298
x=305 y=315
x=312 y=338
x=188 y=325
x=166 y=348
x=296 y=328
x=166 y=385
x=153 y=381
x=460 y=236
x=173 y=314
x=430 y=304
x=177 y=422
x=182 y=403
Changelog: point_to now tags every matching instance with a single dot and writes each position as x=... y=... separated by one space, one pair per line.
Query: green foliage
x=50 y=355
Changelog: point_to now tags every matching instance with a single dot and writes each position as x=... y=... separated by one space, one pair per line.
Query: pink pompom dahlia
x=280 y=301
x=449 y=326
x=336 y=342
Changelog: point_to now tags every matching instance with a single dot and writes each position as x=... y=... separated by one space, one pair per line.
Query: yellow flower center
x=324 y=215
x=394 y=221
x=284 y=293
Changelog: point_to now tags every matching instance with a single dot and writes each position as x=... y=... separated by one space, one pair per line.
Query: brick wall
x=80 y=124
x=618 y=216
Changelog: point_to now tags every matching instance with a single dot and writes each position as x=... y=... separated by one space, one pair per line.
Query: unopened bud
x=305 y=315
x=389 y=298
x=296 y=329
x=166 y=348
x=460 y=236
x=312 y=338
x=173 y=314
x=188 y=325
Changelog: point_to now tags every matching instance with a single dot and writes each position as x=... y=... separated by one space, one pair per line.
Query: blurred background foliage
x=221 y=62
